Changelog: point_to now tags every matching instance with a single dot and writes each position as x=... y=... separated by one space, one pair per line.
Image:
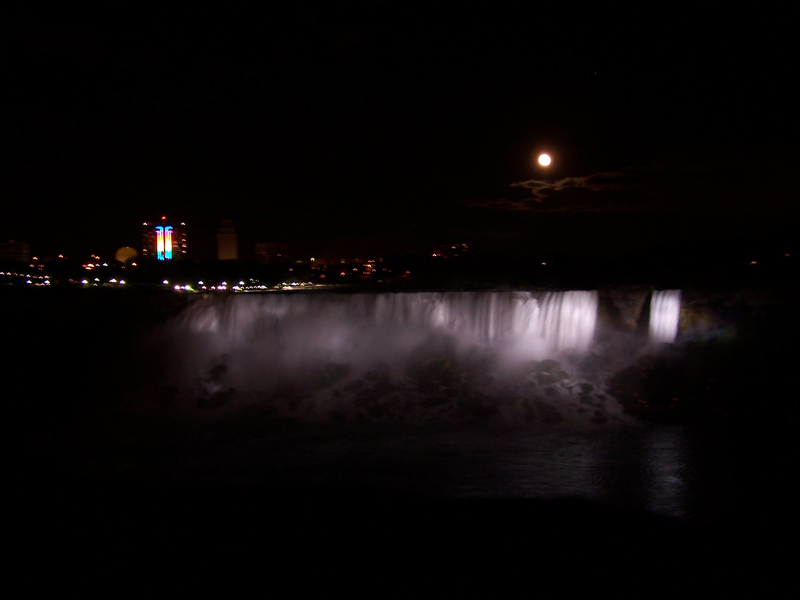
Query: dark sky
x=351 y=132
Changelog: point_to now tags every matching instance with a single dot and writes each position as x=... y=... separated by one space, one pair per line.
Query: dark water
x=476 y=500
x=645 y=468
x=464 y=501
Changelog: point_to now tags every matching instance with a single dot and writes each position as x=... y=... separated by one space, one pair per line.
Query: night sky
x=347 y=132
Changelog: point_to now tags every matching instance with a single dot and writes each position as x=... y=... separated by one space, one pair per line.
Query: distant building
x=227 y=242
x=272 y=252
x=15 y=251
x=451 y=251
x=164 y=240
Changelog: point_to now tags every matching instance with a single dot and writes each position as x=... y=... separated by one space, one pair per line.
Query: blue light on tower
x=168 y=242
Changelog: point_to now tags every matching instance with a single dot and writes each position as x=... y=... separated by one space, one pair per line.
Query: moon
x=544 y=159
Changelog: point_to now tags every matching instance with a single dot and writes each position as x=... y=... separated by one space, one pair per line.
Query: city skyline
x=389 y=136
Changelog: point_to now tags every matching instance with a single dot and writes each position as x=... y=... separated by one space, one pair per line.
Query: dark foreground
x=97 y=490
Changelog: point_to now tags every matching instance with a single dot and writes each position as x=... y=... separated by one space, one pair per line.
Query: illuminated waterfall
x=298 y=329
x=665 y=308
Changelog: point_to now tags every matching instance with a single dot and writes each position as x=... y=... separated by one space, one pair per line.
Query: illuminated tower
x=163 y=240
x=227 y=242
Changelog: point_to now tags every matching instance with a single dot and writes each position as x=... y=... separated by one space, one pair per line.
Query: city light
x=168 y=242
x=159 y=242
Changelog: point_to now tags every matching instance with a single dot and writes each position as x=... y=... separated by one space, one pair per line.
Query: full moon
x=544 y=160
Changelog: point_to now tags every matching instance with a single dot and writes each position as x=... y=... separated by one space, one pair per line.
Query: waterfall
x=665 y=307
x=296 y=327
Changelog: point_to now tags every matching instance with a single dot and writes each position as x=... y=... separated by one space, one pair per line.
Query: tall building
x=164 y=239
x=227 y=242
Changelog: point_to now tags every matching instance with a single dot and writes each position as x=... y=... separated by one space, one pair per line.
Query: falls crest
x=528 y=323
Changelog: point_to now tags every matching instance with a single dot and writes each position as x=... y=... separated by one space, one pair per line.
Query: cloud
x=572 y=193
x=596 y=182
x=685 y=183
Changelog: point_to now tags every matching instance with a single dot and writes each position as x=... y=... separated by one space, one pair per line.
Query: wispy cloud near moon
x=595 y=182
x=671 y=183
x=563 y=190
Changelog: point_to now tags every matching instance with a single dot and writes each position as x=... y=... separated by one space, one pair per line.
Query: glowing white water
x=665 y=308
x=292 y=331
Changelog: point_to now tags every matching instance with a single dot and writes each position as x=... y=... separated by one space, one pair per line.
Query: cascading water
x=383 y=326
x=665 y=308
x=410 y=356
